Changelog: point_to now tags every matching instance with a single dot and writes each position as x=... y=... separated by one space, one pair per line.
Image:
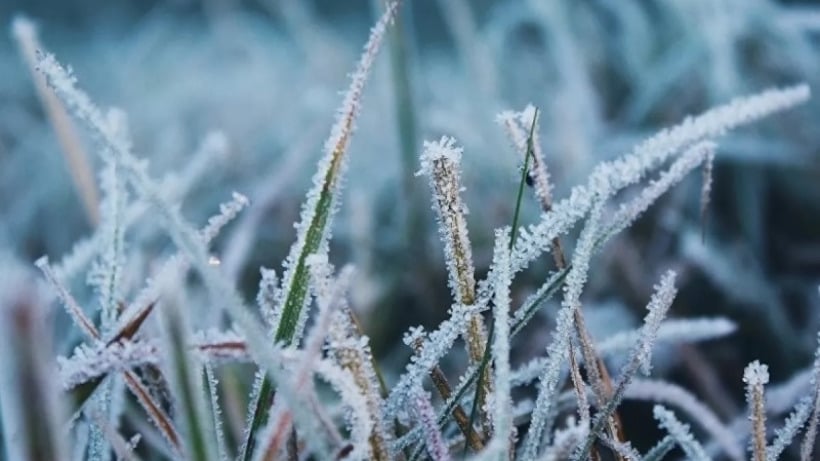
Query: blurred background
x=605 y=75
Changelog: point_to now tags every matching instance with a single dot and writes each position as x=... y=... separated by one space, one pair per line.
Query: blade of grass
x=485 y=360
x=74 y=152
x=316 y=218
x=183 y=371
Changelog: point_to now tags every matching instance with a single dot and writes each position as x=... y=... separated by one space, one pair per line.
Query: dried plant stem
x=79 y=165
x=756 y=376
x=353 y=354
x=463 y=422
x=441 y=162
x=579 y=386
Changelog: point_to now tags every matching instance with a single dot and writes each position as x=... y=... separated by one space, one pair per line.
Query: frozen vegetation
x=621 y=260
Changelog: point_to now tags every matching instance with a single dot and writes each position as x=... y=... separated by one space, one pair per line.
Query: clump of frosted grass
x=322 y=395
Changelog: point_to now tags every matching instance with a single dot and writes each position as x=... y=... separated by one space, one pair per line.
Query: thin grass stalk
x=465 y=424
x=352 y=351
x=314 y=229
x=184 y=375
x=441 y=162
x=502 y=421
x=755 y=376
x=79 y=164
x=216 y=410
x=639 y=357
x=660 y=450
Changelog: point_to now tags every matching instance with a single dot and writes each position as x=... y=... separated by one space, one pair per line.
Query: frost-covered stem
x=216 y=411
x=596 y=372
x=548 y=383
x=578 y=385
x=706 y=188
x=424 y=413
x=442 y=385
x=266 y=297
x=182 y=369
x=516 y=124
x=79 y=165
x=807 y=447
x=501 y=396
x=756 y=375
x=313 y=230
x=639 y=358
x=441 y=162
x=106 y=273
x=111 y=257
x=122 y=448
x=352 y=352
x=680 y=433
x=74 y=310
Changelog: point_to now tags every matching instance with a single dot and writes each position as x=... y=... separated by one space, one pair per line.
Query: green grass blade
x=183 y=373
x=524 y=173
x=317 y=217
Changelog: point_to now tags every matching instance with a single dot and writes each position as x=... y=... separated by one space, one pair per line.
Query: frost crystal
x=756 y=374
